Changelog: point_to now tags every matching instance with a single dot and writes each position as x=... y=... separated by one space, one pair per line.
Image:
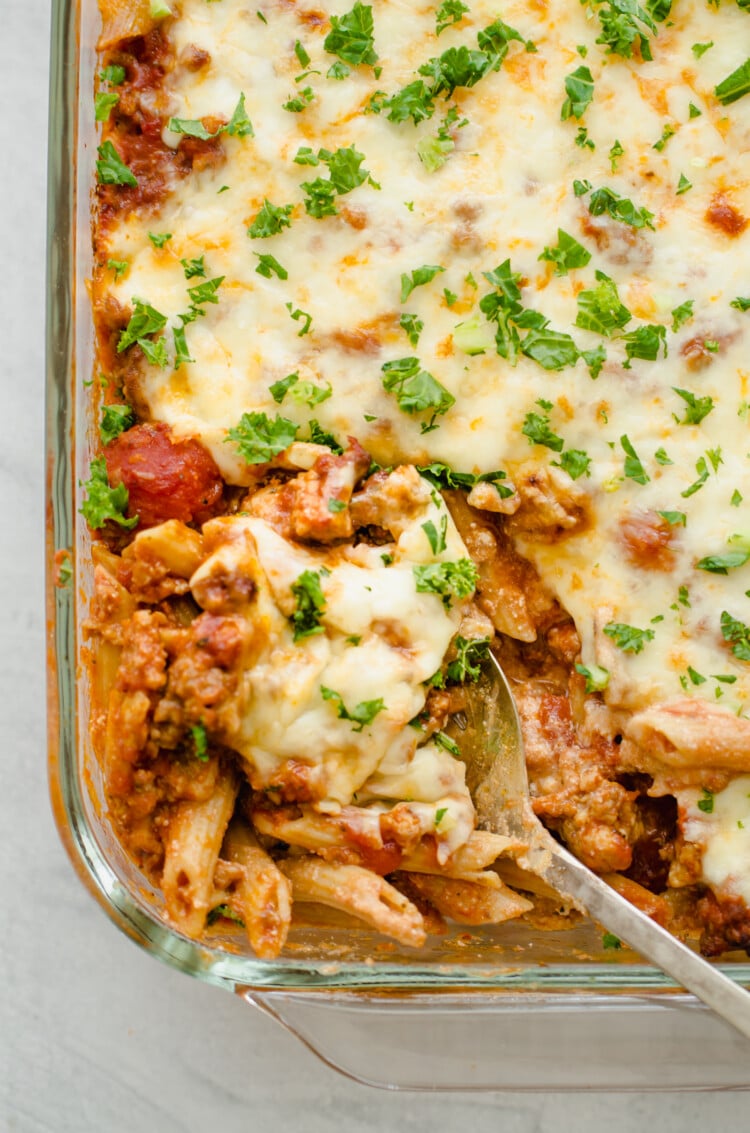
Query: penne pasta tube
x=192 y=845
x=480 y=850
x=359 y=892
x=122 y=19
x=262 y=896
x=172 y=544
x=471 y=902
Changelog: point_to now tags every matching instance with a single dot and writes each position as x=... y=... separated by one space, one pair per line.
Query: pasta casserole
x=421 y=333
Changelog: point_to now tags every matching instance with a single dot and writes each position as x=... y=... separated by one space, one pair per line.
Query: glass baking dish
x=509 y=1007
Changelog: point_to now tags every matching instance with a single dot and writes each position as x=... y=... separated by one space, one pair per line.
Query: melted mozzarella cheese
x=504 y=192
x=724 y=834
x=380 y=640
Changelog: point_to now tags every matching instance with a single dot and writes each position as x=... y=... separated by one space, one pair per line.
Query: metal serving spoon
x=492 y=748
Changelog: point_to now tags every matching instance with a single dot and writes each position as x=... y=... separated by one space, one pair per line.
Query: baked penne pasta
x=358 y=892
x=191 y=851
x=388 y=387
x=262 y=896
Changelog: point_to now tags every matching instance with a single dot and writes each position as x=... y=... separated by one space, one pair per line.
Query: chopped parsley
x=579 y=88
x=610 y=941
x=615 y=154
x=361 y=715
x=195 y=268
x=338 y=70
x=645 y=342
x=301 y=53
x=270 y=220
x=200 y=742
x=550 y=349
x=433 y=151
x=181 y=352
x=583 y=140
x=702 y=469
x=300 y=316
x=416 y=390
x=205 y=292
x=473 y=336
x=737 y=634
x=345 y=168
x=441 y=476
x=536 y=427
x=450 y=12
x=619 y=208
x=104 y=104
x=260 y=438
x=575 y=462
x=436 y=537
x=268 y=266
x=111 y=170
x=300 y=101
x=567 y=254
x=674 y=518
x=683 y=185
x=628 y=638
x=192 y=128
x=696 y=408
x=706 y=803
x=594 y=359
x=600 y=309
x=418 y=278
x=144 y=322
x=633 y=470
x=318 y=436
x=224 y=912
x=279 y=389
x=447 y=744
x=310 y=605
x=115 y=420
x=119 y=267
x=352 y=36
x=440 y=814
x=699 y=49
x=740 y=303
x=736 y=499
x=103 y=502
x=735 y=85
x=470 y=653
x=449 y=580
x=622 y=23
x=321 y=195
x=310 y=394
x=667 y=133
x=413 y=326
x=597 y=677
x=682 y=314
x=722 y=564
x=239 y=125
x=114 y=75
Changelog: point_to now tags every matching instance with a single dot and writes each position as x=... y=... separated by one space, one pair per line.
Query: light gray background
x=96 y=1037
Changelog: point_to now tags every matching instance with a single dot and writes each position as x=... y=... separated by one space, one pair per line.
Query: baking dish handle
x=424 y=1041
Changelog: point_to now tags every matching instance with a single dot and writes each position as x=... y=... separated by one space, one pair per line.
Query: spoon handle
x=727 y=998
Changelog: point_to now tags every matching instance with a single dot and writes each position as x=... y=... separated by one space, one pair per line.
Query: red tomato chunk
x=165 y=478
